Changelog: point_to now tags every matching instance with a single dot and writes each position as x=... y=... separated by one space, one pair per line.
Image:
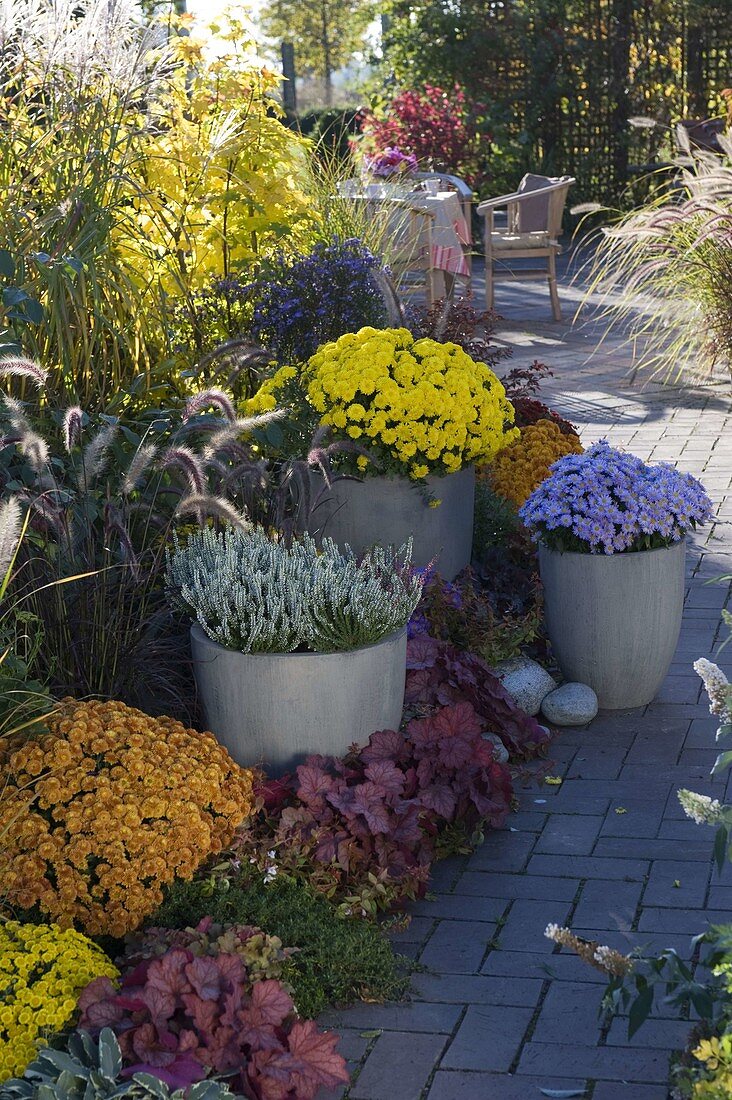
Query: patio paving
x=501 y=1013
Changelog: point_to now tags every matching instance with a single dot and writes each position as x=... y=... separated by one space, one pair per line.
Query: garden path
x=500 y=1012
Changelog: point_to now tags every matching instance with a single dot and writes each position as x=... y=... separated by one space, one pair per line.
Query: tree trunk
x=327 y=63
x=621 y=27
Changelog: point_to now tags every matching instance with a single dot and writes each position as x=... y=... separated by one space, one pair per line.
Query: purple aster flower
x=605 y=501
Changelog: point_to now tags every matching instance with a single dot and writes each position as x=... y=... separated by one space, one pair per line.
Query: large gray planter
x=389 y=511
x=274 y=709
x=614 y=619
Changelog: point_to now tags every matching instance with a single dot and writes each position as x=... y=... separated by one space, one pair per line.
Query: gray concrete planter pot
x=389 y=511
x=274 y=709
x=614 y=619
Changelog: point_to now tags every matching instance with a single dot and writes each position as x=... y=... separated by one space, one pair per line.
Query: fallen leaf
x=563 y=1094
x=371 y=1034
x=553 y=780
x=677 y=884
x=620 y=810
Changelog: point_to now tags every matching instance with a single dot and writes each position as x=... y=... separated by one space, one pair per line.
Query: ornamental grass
x=42 y=972
x=522 y=466
x=109 y=808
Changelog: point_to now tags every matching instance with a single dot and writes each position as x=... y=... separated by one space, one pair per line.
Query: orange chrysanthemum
x=520 y=467
x=124 y=804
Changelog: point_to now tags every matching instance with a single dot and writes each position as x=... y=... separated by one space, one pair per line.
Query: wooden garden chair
x=534 y=224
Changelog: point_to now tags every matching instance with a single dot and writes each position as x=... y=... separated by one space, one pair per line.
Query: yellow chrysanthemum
x=42 y=971
x=427 y=406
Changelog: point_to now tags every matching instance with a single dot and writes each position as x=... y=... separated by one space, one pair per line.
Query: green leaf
x=13 y=296
x=110 y=1058
x=34 y=311
x=7 y=264
x=640 y=1010
x=723 y=761
x=720 y=848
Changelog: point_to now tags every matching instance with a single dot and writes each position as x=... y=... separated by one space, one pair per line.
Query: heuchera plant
x=366 y=828
x=181 y=1016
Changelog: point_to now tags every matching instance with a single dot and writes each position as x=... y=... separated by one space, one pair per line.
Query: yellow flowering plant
x=110 y=807
x=715 y=1055
x=521 y=467
x=415 y=406
x=43 y=969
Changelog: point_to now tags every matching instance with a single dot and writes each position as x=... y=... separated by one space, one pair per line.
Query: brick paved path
x=501 y=1013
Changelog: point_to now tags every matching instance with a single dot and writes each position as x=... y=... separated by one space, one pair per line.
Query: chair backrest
x=543 y=212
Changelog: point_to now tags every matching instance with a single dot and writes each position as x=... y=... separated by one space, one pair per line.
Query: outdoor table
x=450 y=232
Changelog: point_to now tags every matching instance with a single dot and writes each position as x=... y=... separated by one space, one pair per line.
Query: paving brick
x=417 y=1016
x=476 y=989
x=398 y=1057
x=510 y=887
x=457 y=947
x=607 y=903
x=621 y=1090
x=416 y=931
x=654 y=848
x=526 y=922
x=655 y=1034
x=573 y=834
x=589 y=867
x=445 y=874
x=692 y=921
x=602 y=1063
x=526 y=821
x=605 y=764
x=502 y=852
x=488 y=1038
x=570 y=1015
x=459 y=907
x=460 y=1085
x=720 y=897
x=677 y=884
x=563 y=966
x=633 y=821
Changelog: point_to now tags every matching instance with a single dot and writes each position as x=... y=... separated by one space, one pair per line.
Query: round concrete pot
x=274 y=709
x=389 y=511
x=614 y=619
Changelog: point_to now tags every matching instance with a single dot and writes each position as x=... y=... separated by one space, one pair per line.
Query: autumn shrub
x=335 y=961
x=182 y=1015
x=441 y=127
x=108 y=808
x=364 y=829
x=521 y=467
x=43 y=969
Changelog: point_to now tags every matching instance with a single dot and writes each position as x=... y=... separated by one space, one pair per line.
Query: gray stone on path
x=570 y=705
x=500 y=752
x=526 y=681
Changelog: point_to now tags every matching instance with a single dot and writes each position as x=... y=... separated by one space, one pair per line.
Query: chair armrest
x=522 y=196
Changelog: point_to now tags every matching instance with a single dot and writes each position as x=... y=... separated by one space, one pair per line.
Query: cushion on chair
x=533 y=214
x=510 y=242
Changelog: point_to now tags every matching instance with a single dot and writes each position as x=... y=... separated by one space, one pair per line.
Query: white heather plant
x=256 y=595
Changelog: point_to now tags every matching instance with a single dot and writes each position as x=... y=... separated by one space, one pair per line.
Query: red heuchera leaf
x=459 y=720
x=386 y=775
x=422 y=652
x=316 y=1051
x=154 y=1048
x=385 y=745
x=97 y=1005
x=205 y=978
x=440 y=798
x=183 y=1072
x=313 y=784
x=270 y=1002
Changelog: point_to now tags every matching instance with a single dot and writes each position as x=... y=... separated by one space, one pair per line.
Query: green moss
x=338 y=961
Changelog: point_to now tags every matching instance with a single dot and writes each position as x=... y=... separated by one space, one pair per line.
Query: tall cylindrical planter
x=614 y=619
x=437 y=514
x=274 y=709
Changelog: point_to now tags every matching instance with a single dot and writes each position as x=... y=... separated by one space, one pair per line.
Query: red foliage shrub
x=442 y=128
x=181 y=1015
x=364 y=829
x=522 y=385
